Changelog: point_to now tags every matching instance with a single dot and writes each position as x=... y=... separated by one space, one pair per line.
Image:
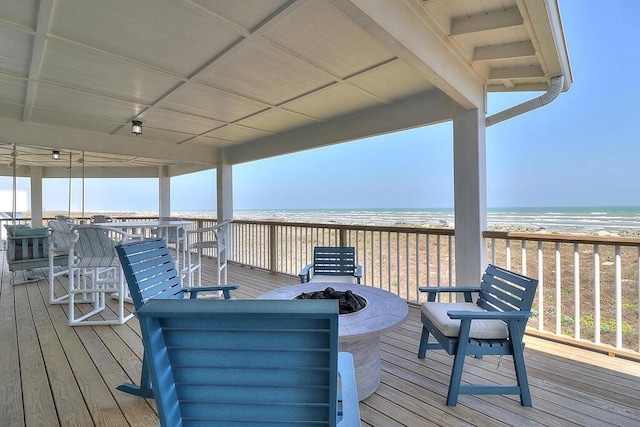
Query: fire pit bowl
x=359 y=332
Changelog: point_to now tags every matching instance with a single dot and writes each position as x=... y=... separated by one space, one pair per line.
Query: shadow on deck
x=52 y=374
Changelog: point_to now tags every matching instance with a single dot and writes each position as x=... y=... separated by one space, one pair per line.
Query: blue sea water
x=559 y=219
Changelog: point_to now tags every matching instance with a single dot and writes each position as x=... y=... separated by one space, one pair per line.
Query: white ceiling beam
x=504 y=51
x=486 y=21
x=426 y=108
x=513 y=87
x=40 y=38
x=511 y=73
x=41 y=135
x=401 y=27
x=99 y=172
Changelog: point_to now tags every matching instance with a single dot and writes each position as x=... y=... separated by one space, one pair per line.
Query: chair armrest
x=487 y=315
x=201 y=230
x=358 y=273
x=193 y=291
x=348 y=394
x=448 y=289
x=304 y=273
x=433 y=290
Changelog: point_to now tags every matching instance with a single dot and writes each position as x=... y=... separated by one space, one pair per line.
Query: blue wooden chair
x=248 y=362
x=494 y=324
x=151 y=274
x=332 y=264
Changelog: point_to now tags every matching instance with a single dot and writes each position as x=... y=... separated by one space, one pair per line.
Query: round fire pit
x=348 y=302
x=359 y=332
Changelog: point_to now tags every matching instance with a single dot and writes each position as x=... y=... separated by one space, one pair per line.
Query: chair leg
x=144 y=389
x=424 y=340
x=458 y=363
x=456 y=376
x=518 y=362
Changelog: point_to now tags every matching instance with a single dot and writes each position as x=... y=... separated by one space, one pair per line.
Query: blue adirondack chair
x=248 y=362
x=494 y=324
x=332 y=264
x=151 y=274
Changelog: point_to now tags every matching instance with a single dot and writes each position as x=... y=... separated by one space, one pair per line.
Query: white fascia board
x=406 y=30
x=41 y=135
x=427 y=108
x=543 y=17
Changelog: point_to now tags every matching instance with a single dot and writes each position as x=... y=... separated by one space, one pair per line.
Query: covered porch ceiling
x=234 y=81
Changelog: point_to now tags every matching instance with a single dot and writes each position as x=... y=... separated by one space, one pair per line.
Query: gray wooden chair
x=493 y=325
x=332 y=264
x=151 y=273
x=248 y=362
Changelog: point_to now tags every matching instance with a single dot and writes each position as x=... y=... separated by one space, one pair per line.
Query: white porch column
x=164 y=193
x=224 y=193
x=470 y=195
x=36 y=196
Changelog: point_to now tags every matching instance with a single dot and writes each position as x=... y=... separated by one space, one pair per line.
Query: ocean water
x=559 y=219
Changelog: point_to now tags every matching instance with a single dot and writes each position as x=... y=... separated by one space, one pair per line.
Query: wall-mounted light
x=55 y=154
x=136 y=127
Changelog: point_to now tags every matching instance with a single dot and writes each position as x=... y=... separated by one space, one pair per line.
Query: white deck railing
x=588 y=289
x=588 y=286
x=588 y=292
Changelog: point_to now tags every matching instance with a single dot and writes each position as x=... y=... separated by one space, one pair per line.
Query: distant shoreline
x=596 y=220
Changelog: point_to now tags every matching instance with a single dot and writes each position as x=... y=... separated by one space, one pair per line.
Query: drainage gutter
x=552 y=93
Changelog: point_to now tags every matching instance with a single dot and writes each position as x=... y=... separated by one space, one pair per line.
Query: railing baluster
x=438 y=264
x=493 y=251
x=540 y=287
x=523 y=255
x=406 y=273
x=450 y=271
x=417 y=276
x=558 y=290
x=428 y=260
x=365 y=273
x=618 y=284
x=576 y=290
x=596 y=293
x=398 y=270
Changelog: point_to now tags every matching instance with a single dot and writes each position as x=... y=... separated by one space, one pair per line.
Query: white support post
x=164 y=192
x=36 y=196
x=470 y=195
x=224 y=202
x=224 y=193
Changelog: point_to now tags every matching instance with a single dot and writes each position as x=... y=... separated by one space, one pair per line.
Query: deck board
x=52 y=374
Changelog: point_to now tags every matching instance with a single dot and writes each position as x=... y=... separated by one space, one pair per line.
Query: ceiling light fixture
x=55 y=154
x=136 y=127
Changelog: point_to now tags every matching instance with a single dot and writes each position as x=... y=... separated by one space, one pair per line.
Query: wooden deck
x=52 y=374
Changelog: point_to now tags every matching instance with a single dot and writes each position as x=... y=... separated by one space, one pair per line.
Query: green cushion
x=10 y=228
x=31 y=232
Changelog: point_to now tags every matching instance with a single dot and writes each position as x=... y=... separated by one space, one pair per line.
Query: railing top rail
x=563 y=238
x=397 y=229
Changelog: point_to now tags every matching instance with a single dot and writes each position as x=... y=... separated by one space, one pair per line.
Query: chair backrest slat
x=61 y=235
x=150 y=270
x=243 y=361
x=334 y=261
x=504 y=290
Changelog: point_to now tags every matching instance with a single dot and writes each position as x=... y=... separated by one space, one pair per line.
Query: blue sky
x=583 y=149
